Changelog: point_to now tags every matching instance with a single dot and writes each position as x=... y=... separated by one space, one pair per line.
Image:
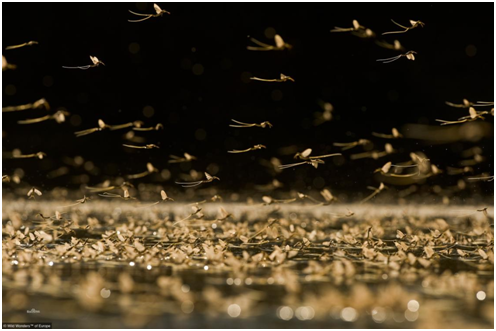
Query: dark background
x=337 y=68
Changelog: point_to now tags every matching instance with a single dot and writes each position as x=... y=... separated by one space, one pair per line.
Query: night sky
x=192 y=67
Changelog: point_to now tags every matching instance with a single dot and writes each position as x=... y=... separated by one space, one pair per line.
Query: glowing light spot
x=379 y=315
x=50 y=264
x=270 y=280
x=234 y=310
x=205 y=267
x=285 y=313
x=15 y=262
x=413 y=305
x=411 y=316
x=481 y=295
x=349 y=314
x=105 y=293
x=187 y=307
x=229 y=281
x=305 y=313
x=248 y=281
x=185 y=288
x=237 y=281
x=149 y=267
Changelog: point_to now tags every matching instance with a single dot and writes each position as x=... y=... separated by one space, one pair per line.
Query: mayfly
x=59 y=117
x=209 y=179
x=101 y=126
x=483 y=178
x=414 y=24
x=42 y=103
x=17 y=155
x=158 y=12
x=126 y=195
x=95 y=61
x=388 y=149
x=314 y=163
x=177 y=159
x=357 y=30
x=148 y=146
x=394 y=134
x=328 y=197
x=135 y=124
x=283 y=78
x=254 y=148
x=269 y=200
x=157 y=127
x=78 y=202
x=280 y=45
x=472 y=116
x=29 y=43
x=409 y=55
x=164 y=197
x=33 y=192
x=376 y=191
x=384 y=170
x=346 y=146
x=239 y=124
x=396 y=45
x=106 y=187
x=149 y=170
x=305 y=155
x=303 y=196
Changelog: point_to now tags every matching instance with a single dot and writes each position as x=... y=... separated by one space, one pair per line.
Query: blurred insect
x=6 y=65
x=395 y=46
x=472 y=116
x=16 y=154
x=136 y=124
x=58 y=116
x=325 y=115
x=157 y=127
x=348 y=214
x=376 y=191
x=414 y=24
x=239 y=124
x=101 y=126
x=29 y=43
x=125 y=196
x=223 y=215
x=254 y=148
x=388 y=149
x=164 y=197
x=346 y=146
x=357 y=30
x=149 y=170
x=209 y=179
x=5 y=178
x=465 y=104
x=409 y=55
x=283 y=78
x=149 y=146
x=280 y=45
x=78 y=202
x=269 y=200
x=484 y=211
x=33 y=192
x=106 y=187
x=394 y=134
x=328 y=197
x=95 y=61
x=177 y=159
x=158 y=12
x=483 y=178
x=42 y=103
x=306 y=196
x=314 y=163
x=384 y=170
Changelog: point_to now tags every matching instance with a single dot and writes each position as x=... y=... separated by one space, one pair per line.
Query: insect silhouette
x=29 y=43
x=254 y=148
x=410 y=55
x=280 y=45
x=283 y=78
x=177 y=159
x=16 y=154
x=33 y=192
x=357 y=30
x=125 y=196
x=95 y=61
x=58 y=116
x=149 y=146
x=472 y=116
x=149 y=170
x=394 y=134
x=42 y=103
x=164 y=197
x=158 y=13
x=209 y=179
x=157 y=127
x=78 y=202
x=376 y=191
x=239 y=124
x=101 y=126
x=414 y=24
x=346 y=146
